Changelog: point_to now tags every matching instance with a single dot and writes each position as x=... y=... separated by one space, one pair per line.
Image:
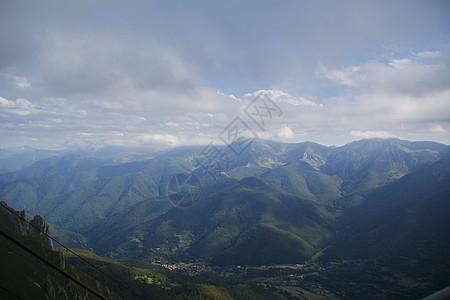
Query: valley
x=288 y=221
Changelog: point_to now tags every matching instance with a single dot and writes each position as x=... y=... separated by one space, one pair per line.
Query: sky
x=88 y=74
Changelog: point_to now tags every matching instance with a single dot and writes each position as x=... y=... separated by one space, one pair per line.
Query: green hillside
x=248 y=222
x=76 y=199
x=368 y=205
x=154 y=282
x=302 y=180
x=402 y=228
x=369 y=164
x=75 y=191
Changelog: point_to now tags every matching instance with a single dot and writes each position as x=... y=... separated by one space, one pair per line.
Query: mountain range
x=275 y=203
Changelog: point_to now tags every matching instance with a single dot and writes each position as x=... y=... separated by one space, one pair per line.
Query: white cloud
x=283 y=97
x=368 y=134
x=343 y=76
x=172 y=124
x=428 y=54
x=19 y=106
x=399 y=63
x=19 y=81
x=231 y=96
x=403 y=75
x=12 y=82
x=159 y=139
x=6 y=103
x=438 y=129
x=285 y=133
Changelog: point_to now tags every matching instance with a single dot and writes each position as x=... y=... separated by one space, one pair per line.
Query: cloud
x=402 y=94
x=175 y=45
x=85 y=133
x=428 y=54
x=401 y=63
x=159 y=139
x=343 y=76
x=285 y=133
x=17 y=81
x=172 y=124
x=368 y=134
x=86 y=64
x=178 y=73
x=438 y=129
x=282 y=97
x=4 y=103
x=404 y=75
x=17 y=107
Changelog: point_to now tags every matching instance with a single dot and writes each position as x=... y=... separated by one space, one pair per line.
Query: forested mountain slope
x=287 y=193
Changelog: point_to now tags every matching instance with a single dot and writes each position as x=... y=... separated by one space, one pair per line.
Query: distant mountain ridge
x=16 y=158
x=61 y=188
x=370 y=203
x=82 y=193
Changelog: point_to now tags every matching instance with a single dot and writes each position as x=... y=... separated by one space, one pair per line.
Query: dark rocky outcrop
x=37 y=228
x=26 y=276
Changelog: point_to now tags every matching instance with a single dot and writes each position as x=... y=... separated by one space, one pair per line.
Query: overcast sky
x=145 y=73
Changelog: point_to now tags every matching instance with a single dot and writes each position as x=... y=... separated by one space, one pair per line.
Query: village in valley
x=191 y=270
x=299 y=281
